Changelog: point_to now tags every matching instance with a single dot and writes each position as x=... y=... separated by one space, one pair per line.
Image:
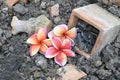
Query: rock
x=24 y=1
x=30 y=26
x=117 y=51
x=105 y=1
x=52 y=3
x=36 y=74
x=57 y=20
x=5 y=9
x=30 y=78
x=11 y=48
x=7 y=75
x=54 y=10
x=93 y=70
x=115 y=10
x=112 y=64
x=0 y=45
x=1 y=31
x=36 y=1
x=2 y=16
x=20 y=9
x=117 y=75
x=106 y=56
x=103 y=74
x=10 y=3
x=117 y=44
x=68 y=71
x=110 y=49
x=85 y=68
x=41 y=62
x=93 y=78
x=109 y=65
x=97 y=61
x=34 y=68
x=7 y=33
x=82 y=3
x=44 y=12
x=115 y=62
x=49 y=78
x=81 y=45
x=117 y=2
x=43 y=4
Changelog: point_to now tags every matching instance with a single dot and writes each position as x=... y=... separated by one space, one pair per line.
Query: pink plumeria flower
x=39 y=42
x=63 y=32
x=60 y=50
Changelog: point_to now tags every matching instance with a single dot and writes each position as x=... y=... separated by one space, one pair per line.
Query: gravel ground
x=16 y=64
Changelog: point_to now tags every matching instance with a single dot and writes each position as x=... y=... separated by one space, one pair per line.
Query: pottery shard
x=70 y=72
x=30 y=26
x=54 y=10
x=10 y=3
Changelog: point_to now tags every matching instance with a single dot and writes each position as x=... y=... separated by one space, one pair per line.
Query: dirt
x=17 y=64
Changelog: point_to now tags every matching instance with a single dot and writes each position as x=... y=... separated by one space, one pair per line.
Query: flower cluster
x=58 y=46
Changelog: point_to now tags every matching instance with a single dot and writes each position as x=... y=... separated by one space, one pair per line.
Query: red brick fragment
x=10 y=3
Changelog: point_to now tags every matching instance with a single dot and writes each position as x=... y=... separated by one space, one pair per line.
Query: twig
x=81 y=52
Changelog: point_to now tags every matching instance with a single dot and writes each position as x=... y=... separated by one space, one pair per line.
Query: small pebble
x=1 y=31
x=102 y=74
x=57 y=20
x=36 y=74
x=20 y=9
x=5 y=9
x=43 y=5
x=48 y=78
x=41 y=62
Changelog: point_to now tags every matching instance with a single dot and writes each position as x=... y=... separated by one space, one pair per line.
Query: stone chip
x=30 y=26
x=54 y=10
x=70 y=72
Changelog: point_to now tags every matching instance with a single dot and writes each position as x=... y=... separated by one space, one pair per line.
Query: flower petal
x=60 y=30
x=66 y=44
x=47 y=42
x=34 y=49
x=57 y=42
x=33 y=39
x=43 y=48
x=72 y=41
x=72 y=33
x=51 y=52
x=42 y=34
x=61 y=59
x=69 y=52
x=51 y=34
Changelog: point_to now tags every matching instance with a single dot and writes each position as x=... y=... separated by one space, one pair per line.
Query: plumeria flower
x=39 y=42
x=60 y=50
x=63 y=32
